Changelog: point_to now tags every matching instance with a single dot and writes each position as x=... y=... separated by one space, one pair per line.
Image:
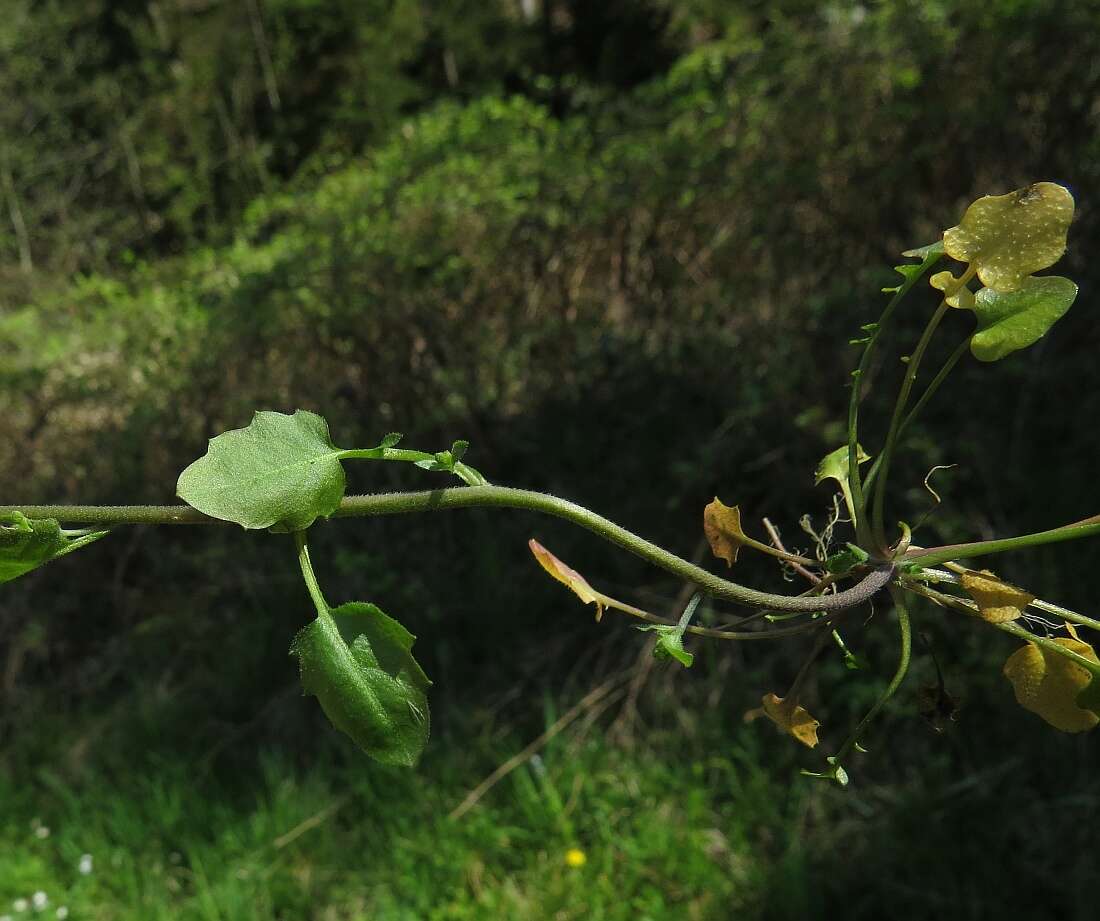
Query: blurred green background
x=620 y=247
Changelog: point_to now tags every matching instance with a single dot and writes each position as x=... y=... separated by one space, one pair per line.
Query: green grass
x=694 y=815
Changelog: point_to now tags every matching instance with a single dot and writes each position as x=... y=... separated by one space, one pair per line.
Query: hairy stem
x=934 y=556
x=496 y=497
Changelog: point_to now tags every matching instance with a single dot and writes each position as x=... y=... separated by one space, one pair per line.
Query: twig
x=590 y=699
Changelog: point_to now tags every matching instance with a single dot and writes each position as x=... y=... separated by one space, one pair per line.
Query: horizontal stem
x=936 y=555
x=495 y=497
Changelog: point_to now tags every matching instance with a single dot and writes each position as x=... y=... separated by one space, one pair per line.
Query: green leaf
x=1089 y=698
x=925 y=253
x=280 y=471
x=358 y=662
x=834 y=465
x=670 y=643
x=27 y=543
x=1008 y=322
x=391 y=440
x=846 y=560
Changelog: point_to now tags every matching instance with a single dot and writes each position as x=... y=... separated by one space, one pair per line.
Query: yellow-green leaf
x=1049 y=684
x=791 y=718
x=955 y=291
x=834 y=465
x=1008 y=237
x=722 y=526
x=997 y=601
x=567 y=576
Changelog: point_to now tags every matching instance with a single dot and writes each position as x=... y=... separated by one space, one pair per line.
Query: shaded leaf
x=1089 y=698
x=567 y=576
x=722 y=527
x=358 y=662
x=997 y=601
x=834 y=465
x=670 y=643
x=791 y=718
x=280 y=471
x=1008 y=322
x=27 y=543
x=845 y=560
x=936 y=706
x=1008 y=237
x=1049 y=684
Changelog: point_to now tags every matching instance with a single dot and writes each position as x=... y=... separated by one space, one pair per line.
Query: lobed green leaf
x=280 y=471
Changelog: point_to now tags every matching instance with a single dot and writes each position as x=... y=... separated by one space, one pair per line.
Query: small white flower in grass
x=40 y=900
x=20 y=905
x=5 y=917
x=43 y=831
x=85 y=865
x=62 y=913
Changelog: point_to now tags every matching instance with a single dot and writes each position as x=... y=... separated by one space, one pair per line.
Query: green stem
x=497 y=497
x=310 y=577
x=885 y=457
x=935 y=555
x=906 y=637
x=859 y=377
x=928 y=393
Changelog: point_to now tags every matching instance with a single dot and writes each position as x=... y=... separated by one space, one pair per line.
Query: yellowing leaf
x=1048 y=684
x=1008 y=237
x=567 y=576
x=997 y=601
x=722 y=526
x=791 y=718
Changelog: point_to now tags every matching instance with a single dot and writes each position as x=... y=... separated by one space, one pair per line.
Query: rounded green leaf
x=358 y=662
x=834 y=465
x=1008 y=322
x=1008 y=237
x=279 y=471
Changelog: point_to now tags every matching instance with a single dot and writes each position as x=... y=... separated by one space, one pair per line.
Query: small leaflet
x=566 y=575
x=722 y=527
x=998 y=602
x=791 y=718
x=834 y=465
x=1013 y=321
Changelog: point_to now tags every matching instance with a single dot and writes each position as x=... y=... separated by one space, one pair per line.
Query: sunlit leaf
x=1049 y=684
x=27 y=543
x=955 y=292
x=358 y=662
x=997 y=601
x=1008 y=322
x=834 y=465
x=791 y=718
x=280 y=470
x=1008 y=237
x=567 y=576
x=722 y=527
x=924 y=253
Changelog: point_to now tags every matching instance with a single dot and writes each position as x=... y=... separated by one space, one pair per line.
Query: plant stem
x=906 y=642
x=859 y=377
x=310 y=577
x=496 y=497
x=936 y=555
x=907 y=381
x=928 y=393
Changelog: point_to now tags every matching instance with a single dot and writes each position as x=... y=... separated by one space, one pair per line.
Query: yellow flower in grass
x=575 y=857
